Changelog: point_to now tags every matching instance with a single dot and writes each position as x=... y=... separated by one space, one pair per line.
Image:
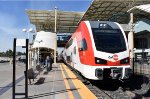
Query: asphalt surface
x=6 y=74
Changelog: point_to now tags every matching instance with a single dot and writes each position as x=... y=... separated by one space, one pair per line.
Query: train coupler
x=116 y=73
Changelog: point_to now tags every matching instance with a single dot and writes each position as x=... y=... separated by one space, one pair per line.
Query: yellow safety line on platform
x=70 y=94
x=84 y=92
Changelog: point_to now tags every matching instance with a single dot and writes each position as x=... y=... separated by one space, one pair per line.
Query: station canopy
x=102 y=10
x=141 y=9
x=113 y=10
x=44 y=20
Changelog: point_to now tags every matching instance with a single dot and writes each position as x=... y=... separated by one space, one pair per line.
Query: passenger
x=51 y=60
x=52 y=57
x=42 y=60
x=47 y=63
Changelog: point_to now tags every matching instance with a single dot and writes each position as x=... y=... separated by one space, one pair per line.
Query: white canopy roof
x=138 y=9
x=44 y=40
x=142 y=10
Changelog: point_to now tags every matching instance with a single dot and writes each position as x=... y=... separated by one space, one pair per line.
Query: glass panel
x=83 y=45
x=111 y=41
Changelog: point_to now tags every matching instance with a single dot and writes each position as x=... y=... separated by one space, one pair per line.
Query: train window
x=68 y=58
x=83 y=45
x=109 y=40
x=69 y=43
x=74 y=50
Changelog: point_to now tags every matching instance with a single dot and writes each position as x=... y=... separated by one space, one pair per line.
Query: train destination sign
x=106 y=31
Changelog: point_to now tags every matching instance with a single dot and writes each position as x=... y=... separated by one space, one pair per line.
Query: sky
x=13 y=17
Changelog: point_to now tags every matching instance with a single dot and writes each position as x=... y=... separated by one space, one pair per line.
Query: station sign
x=21 y=42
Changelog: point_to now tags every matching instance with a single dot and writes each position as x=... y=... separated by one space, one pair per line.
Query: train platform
x=59 y=83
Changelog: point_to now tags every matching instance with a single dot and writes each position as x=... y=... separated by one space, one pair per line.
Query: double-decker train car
x=99 y=50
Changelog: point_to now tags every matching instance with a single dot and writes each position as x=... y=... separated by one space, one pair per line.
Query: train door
x=82 y=48
x=74 y=62
x=75 y=55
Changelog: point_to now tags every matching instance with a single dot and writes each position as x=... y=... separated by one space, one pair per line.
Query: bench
x=31 y=74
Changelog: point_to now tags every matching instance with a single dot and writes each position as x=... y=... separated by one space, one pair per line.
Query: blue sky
x=13 y=17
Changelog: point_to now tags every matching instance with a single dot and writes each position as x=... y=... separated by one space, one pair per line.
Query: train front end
x=110 y=52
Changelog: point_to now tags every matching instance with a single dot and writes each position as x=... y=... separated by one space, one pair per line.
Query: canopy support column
x=55 y=42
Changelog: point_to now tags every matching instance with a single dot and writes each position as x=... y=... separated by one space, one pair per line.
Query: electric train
x=99 y=50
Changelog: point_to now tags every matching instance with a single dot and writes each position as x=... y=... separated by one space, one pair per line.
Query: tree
x=9 y=53
x=2 y=54
x=21 y=53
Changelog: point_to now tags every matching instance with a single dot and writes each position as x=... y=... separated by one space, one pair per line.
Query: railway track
x=107 y=93
x=108 y=90
x=100 y=93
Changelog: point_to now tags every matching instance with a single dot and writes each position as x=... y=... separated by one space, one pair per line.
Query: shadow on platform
x=71 y=78
x=45 y=73
x=54 y=81
x=9 y=86
x=40 y=81
x=51 y=93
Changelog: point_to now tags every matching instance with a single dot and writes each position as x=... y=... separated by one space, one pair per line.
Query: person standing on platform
x=47 y=63
x=51 y=60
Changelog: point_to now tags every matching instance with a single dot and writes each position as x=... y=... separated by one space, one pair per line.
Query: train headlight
x=125 y=61
x=97 y=61
x=100 y=61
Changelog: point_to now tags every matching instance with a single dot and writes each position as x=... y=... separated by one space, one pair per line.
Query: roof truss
x=45 y=20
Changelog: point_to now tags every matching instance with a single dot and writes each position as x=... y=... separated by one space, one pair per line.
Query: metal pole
x=26 y=77
x=142 y=58
x=28 y=34
x=132 y=35
x=132 y=41
x=55 y=41
x=14 y=68
x=38 y=55
x=28 y=49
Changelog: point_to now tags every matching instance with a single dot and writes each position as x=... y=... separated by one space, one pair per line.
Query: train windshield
x=109 y=40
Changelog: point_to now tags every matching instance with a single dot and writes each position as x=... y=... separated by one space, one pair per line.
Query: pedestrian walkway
x=59 y=83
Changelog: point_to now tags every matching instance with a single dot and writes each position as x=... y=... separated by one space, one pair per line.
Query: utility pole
x=131 y=34
x=38 y=55
x=132 y=37
x=55 y=41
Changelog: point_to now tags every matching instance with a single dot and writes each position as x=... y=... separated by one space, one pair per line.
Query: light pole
x=28 y=31
x=38 y=49
x=55 y=43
